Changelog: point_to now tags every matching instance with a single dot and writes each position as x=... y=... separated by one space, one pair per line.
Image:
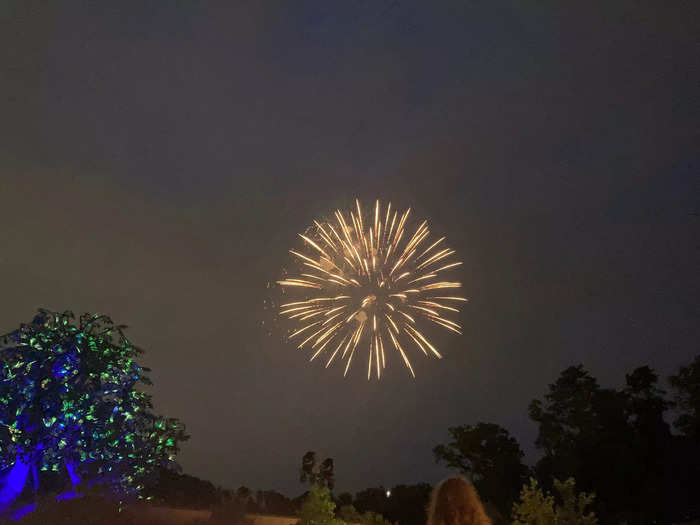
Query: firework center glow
x=370 y=282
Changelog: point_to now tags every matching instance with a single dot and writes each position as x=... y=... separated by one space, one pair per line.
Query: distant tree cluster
x=405 y=505
x=173 y=489
x=616 y=444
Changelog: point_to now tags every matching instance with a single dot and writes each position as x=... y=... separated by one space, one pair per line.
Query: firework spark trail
x=366 y=277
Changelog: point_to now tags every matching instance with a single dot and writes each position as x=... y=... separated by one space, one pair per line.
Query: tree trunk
x=14 y=483
x=72 y=473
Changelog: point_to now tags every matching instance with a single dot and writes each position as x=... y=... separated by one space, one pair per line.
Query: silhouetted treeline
x=617 y=443
x=636 y=447
x=405 y=505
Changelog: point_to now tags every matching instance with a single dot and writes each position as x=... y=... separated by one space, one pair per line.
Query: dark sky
x=158 y=158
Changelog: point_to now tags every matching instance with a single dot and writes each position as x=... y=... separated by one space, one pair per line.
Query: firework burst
x=368 y=285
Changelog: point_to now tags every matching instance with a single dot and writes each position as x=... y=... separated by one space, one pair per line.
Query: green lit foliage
x=318 y=507
x=69 y=396
x=539 y=508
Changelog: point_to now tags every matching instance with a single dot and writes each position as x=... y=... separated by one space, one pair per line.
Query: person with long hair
x=455 y=502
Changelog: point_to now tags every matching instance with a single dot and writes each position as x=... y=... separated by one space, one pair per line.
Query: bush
x=349 y=514
x=539 y=508
x=318 y=508
x=374 y=518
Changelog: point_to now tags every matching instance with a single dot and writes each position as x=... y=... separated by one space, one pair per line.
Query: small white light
x=388 y=493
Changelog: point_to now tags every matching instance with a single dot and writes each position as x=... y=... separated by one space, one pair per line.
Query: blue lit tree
x=69 y=403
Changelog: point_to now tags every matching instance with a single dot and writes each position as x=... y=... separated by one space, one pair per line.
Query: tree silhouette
x=585 y=433
x=491 y=457
x=650 y=440
x=317 y=474
x=686 y=385
x=683 y=458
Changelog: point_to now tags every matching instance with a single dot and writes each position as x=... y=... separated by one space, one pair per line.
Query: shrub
x=539 y=508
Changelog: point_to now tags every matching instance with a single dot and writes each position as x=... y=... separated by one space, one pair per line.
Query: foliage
x=177 y=490
x=407 y=504
x=344 y=498
x=272 y=502
x=317 y=474
x=539 y=508
x=686 y=384
x=349 y=514
x=585 y=432
x=318 y=507
x=566 y=418
x=534 y=507
x=68 y=395
x=373 y=518
x=491 y=457
x=650 y=439
x=374 y=499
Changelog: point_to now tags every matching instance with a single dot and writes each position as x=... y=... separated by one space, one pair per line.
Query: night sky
x=157 y=160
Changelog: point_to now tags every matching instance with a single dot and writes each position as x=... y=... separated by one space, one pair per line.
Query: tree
x=585 y=432
x=650 y=441
x=536 y=507
x=182 y=490
x=272 y=502
x=491 y=457
x=316 y=474
x=318 y=507
x=406 y=505
x=69 y=399
x=373 y=499
x=683 y=458
x=373 y=518
x=686 y=385
x=566 y=419
x=348 y=513
x=344 y=498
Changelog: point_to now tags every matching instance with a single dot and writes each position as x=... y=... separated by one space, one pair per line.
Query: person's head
x=455 y=502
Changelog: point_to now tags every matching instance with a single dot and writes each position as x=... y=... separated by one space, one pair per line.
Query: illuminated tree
x=69 y=400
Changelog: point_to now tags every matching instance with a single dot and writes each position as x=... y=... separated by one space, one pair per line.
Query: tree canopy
x=491 y=457
x=70 y=398
x=317 y=474
x=686 y=385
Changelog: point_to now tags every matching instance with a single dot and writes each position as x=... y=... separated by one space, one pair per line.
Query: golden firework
x=370 y=283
